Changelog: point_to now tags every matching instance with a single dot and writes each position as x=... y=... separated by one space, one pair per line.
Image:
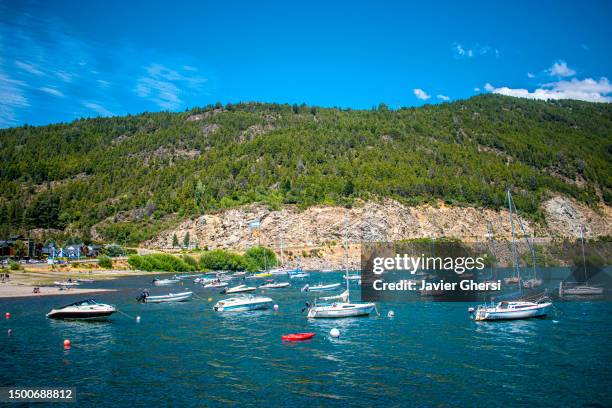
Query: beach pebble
x=334 y=332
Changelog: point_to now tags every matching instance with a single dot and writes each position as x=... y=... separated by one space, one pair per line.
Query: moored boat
x=216 y=284
x=171 y=297
x=239 y=289
x=83 y=310
x=579 y=290
x=165 y=282
x=66 y=283
x=321 y=288
x=242 y=303
x=506 y=310
x=275 y=285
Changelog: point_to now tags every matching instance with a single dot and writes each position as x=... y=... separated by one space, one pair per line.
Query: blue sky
x=62 y=60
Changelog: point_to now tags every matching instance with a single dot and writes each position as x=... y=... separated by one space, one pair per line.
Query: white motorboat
x=277 y=271
x=580 y=290
x=344 y=307
x=321 y=288
x=506 y=310
x=202 y=281
x=275 y=285
x=67 y=283
x=239 y=289
x=353 y=277
x=241 y=274
x=165 y=282
x=242 y=303
x=298 y=275
x=84 y=280
x=216 y=284
x=181 y=277
x=83 y=310
x=171 y=297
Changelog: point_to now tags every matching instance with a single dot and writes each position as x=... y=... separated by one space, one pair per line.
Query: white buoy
x=334 y=332
x=137 y=319
x=276 y=308
x=391 y=313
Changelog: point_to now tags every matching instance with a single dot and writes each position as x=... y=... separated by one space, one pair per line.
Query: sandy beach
x=21 y=283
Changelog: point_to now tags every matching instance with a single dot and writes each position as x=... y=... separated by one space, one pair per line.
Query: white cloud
x=421 y=94
x=561 y=69
x=103 y=84
x=31 y=68
x=461 y=51
x=476 y=89
x=442 y=97
x=530 y=75
x=489 y=87
x=99 y=109
x=52 y=91
x=164 y=86
x=585 y=90
x=65 y=76
x=12 y=98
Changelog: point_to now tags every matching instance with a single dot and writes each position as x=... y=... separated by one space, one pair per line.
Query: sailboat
x=585 y=289
x=518 y=309
x=344 y=307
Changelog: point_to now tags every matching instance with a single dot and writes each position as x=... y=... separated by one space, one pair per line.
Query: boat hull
x=345 y=310
x=225 y=306
x=178 y=297
x=80 y=315
x=539 y=310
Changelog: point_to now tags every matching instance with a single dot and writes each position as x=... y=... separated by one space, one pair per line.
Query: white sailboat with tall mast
x=344 y=307
x=584 y=289
x=516 y=309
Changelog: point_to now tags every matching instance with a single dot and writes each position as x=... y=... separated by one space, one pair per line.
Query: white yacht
x=580 y=289
x=506 y=310
x=242 y=303
x=83 y=310
x=169 y=298
x=344 y=307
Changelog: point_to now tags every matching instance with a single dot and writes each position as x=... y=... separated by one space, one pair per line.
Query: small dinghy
x=321 y=288
x=165 y=282
x=83 y=310
x=67 y=283
x=297 y=336
x=85 y=280
x=171 y=297
x=239 y=289
x=275 y=285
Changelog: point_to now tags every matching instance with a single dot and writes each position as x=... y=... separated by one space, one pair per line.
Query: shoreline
x=22 y=283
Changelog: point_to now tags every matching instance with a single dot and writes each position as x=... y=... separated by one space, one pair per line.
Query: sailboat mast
x=346 y=254
x=583 y=257
x=514 y=253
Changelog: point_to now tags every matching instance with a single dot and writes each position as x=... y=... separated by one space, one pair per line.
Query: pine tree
x=175 y=242
x=186 y=240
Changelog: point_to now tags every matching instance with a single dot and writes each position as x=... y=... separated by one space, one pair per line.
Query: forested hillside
x=132 y=176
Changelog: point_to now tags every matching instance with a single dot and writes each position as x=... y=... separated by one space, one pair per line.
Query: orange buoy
x=7 y=315
x=66 y=344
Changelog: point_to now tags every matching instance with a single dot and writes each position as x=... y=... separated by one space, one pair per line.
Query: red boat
x=297 y=336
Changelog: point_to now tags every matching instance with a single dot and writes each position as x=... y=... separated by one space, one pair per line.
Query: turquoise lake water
x=429 y=354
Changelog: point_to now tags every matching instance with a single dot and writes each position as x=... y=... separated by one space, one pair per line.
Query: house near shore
x=8 y=247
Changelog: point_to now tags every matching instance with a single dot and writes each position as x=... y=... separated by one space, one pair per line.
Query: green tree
x=186 y=240
x=175 y=242
x=105 y=262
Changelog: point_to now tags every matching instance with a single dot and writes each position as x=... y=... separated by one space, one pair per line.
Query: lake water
x=429 y=354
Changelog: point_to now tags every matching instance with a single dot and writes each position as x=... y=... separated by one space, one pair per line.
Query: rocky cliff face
x=312 y=238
